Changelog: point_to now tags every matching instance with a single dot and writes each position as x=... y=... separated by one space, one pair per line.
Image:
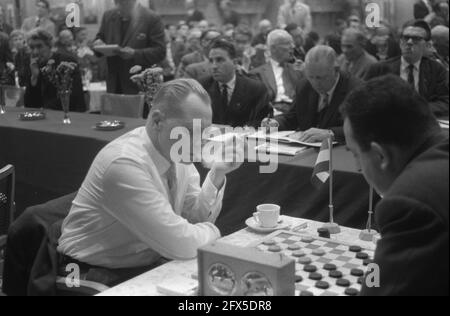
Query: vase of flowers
x=61 y=76
x=148 y=81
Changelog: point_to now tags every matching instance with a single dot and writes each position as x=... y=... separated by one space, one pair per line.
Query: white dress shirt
x=281 y=90
x=404 y=72
x=122 y=216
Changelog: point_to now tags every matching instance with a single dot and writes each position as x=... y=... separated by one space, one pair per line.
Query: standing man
x=4 y=27
x=42 y=20
x=140 y=34
x=295 y=11
x=355 y=59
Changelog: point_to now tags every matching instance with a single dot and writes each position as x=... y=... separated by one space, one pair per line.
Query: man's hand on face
x=313 y=135
x=126 y=53
x=35 y=70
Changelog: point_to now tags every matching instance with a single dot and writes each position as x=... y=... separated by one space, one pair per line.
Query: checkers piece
x=357 y=272
x=355 y=249
x=318 y=252
x=322 y=285
x=323 y=232
x=298 y=254
x=275 y=248
x=329 y=267
x=307 y=239
x=305 y=260
x=343 y=282
x=335 y=274
x=366 y=262
x=351 y=292
x=315 y=276
x=362 y=256
x=298 y=279
x=306 y=293
x=270 y=243
x=310 y=268
x=361 y=280
x=294 y=247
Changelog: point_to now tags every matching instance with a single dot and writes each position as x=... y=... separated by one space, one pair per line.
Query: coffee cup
x=267 y=215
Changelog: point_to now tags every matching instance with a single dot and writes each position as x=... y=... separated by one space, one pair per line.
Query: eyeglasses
x=415 y=39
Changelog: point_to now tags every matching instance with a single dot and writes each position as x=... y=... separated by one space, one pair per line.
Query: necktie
x=411 y=79
x=225 y=96
x=324 y=104
x=172 y=184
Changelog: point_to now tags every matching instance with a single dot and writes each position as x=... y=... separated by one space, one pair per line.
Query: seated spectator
x=334 y=41
x=264 y=28
x=194 y=16
x=21 y=56
x=279 y=74
x=6 y=61
x=316 y=108
x=203 y=25
x=229 y=16
x=42 y=19
x=231 y=101
x=138 y=206
x=422 y=8
x=244 y=50
x=40 y=93
x=297 y=34
x=428 y=77
x=440 y=37
x=295 y=12
x=385 y=45
x=312 y=39
x=65 y=44
x=355 y=59
x=439 y=16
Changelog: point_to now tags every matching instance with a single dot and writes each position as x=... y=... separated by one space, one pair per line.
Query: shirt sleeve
x=133 y=199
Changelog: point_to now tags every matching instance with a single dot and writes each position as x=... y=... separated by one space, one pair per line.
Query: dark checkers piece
x=335 y=274
x=329 y=267
x=304 y=260
x=294 y=247
x=322 y=285
x=275 y=248
x=366 y=262
x=351 y=292
x=306 y=293
x=357 y=272
x=315 y=276
x=361 y=280
x=343 y=283
x=362 y=256
x=310 y=268
x=298 y=279
x=355 y=249
x=299 y=254
x=324 y=233
x=269 y=243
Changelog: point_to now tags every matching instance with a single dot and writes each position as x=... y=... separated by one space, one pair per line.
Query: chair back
x=122 y=105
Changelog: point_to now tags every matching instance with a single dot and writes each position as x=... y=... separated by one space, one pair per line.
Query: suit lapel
x=135 y=22
x=237 y=95
x=423 y=84
x=338 y=97
x=271 y=78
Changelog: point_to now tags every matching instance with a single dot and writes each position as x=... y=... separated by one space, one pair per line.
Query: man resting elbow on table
x=135 y=205
x=316 y=107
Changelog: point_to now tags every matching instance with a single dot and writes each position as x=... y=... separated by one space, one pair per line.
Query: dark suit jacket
x=304 y=115
x=249 y=103
x=433 y=82
x=145 y=34
x=413 y=220
x=44 y=94
x=420 y=10
x=266 y=75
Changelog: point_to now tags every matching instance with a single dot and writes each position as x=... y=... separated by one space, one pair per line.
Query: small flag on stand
x=321 y=172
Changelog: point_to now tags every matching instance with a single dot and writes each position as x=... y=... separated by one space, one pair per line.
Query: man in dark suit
x=40 y=93
x=316 y=108
x=404 y=155
x=422 y=8
x=140 y=34
x=236 y=100
x=279 y=75
x=6 y=75
x=427 y=76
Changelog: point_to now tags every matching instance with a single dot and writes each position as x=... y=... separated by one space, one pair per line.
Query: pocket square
x=141 y=36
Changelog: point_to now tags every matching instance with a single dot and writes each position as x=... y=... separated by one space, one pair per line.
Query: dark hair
x=387 y=110
x=243 y=30
x=45 y=2
x=419 y=23
x=226 y=45
x=41 y=35
x=291 y=27
x=205 y=33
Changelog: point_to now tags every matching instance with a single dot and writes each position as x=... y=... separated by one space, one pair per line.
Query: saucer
x=250 y=222
x=109 y=125
x=32 y=116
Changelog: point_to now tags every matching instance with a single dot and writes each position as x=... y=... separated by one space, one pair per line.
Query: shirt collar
x=274 y=63
x=405 y=64
x=160 y=162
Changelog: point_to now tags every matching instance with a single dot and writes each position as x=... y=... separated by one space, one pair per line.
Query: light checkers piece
x=329 y=256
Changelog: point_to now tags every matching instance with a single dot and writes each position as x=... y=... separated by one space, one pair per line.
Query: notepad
x=107 y=50
x=283 y=137
x=281 y=149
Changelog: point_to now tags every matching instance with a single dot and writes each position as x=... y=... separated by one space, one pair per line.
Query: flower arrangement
x=60 y=76
x=148 y=81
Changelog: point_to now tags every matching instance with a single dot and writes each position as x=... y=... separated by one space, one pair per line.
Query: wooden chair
x=122 y=105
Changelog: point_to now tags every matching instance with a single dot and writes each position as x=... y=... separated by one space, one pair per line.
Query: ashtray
x=32 y=116
x=109 y=125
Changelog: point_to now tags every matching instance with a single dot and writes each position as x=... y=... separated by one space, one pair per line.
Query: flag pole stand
x=369 y=234
x=332 y=227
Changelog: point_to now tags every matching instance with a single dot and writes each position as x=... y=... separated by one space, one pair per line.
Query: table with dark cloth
x=52 y=159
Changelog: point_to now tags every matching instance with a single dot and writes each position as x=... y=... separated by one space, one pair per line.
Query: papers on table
x=284 y=137
x=444 y=124
x=281 y=149
x=107 y=50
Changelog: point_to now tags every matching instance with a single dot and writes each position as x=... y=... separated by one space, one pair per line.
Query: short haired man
x=404 y=155
x=440 y=38
x=42 y=19
x=40 y=93
x=138 y=202
x=229 y=90
x=297 y=12
x=428 y=77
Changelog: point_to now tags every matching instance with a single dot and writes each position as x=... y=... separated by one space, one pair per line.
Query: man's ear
x=157 y=117
x=381 y=156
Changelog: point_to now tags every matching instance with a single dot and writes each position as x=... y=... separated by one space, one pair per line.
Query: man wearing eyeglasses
x=426 y=76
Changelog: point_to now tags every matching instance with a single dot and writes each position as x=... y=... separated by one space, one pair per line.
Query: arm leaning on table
x=150 y=216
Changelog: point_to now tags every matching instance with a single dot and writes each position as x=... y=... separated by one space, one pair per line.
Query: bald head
x=321 y=54
x=440 y=37
x=321 y=68
x=265 y=26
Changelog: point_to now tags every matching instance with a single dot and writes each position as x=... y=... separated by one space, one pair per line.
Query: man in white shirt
x=135 y=205
x=295 y=11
